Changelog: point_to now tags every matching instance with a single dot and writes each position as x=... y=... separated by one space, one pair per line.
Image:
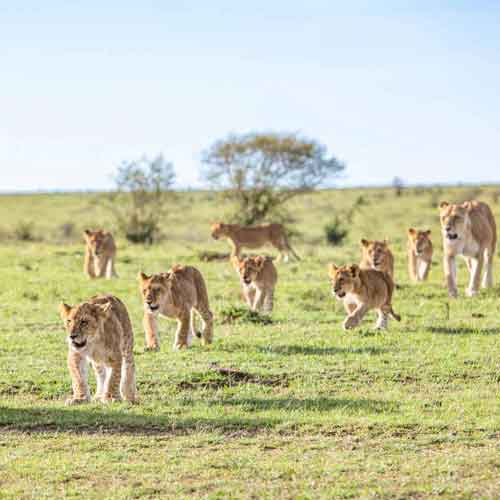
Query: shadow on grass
x=462 y=330
x=311 y=350
x=90 y=419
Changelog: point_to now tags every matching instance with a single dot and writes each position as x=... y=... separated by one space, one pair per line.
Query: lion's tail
x=397 y=317
x=289 y=247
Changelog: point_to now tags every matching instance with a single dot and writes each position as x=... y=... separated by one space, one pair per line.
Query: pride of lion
x=100 y=331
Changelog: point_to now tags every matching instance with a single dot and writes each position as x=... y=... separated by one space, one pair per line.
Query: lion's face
x=454 y=221
x=83 y=323
x=95 y=241
x=419 y=240
x=376 y=252
x=218 y=230
x=249 y=268
x=343 y=279
x=154 y=291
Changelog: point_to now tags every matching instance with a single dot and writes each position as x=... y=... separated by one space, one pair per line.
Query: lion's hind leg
x=128 y=388
x=207 y=325
x=488 y=268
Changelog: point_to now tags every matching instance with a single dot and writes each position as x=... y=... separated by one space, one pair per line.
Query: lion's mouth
x=215 y=237
x=247 y=281
x=153 y=307
x=78 y=345
x=341 y=295
x=452 y=236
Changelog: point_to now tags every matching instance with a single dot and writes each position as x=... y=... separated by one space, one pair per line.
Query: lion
x=362 y=290
x=255 y=237
x=377 y=255
x=100 y=254
x=419 y=254
x=468 y=230
x=178 y=294
x=258 y=277
x=99 y=330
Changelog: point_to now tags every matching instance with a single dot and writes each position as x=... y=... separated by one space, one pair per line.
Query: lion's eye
x=84 y=322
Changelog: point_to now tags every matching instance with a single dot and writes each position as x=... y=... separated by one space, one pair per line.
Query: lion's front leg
x=89 y=264
x=100 y=377
x=249 y=294
x=423 y=269
x=354 y=319
x=450 y=271
x=412 y=265
x=110 y=268
x=77 y=365
x=476 y=266
x=258 y=300
x=112 y=383
x=182 y=333
x=150 y=323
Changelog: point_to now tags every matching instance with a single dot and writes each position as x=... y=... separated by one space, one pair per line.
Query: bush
x=24 y=231
x=335 y=232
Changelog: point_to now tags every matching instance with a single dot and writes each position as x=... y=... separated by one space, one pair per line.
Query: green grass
x=413 y=412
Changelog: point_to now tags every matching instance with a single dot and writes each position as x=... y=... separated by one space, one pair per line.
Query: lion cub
x=419 y=254
x=99 y=330
x=176 y=294
x=100 y=254
x=258 y=277
x=362 y=290
x=377 y=255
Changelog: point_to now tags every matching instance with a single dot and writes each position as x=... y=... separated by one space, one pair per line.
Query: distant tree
x=263 y=171
x=398 y=185
x=143 y=188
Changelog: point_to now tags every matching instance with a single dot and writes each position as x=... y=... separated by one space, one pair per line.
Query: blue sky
x=406 y=88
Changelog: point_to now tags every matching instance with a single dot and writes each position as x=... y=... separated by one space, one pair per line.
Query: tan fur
x=255 y=237
x=100 y=254
x=99 y=331
x=420 y=252
x=177 y=294
x=362 y=290
x=377 y=255
x=258 y=278
x=468 y=230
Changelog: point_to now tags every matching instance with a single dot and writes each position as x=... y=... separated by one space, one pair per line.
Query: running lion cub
x=99 y=330
x=362 y=290
x=419 y=254
x=177 y=294
x=100 y=254
x=258 y=277
x=377 y=255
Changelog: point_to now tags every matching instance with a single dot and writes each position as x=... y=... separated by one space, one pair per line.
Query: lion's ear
x=365 y=243
x=64 y=310
x=411 y=231
x=332 y=269
x=443 y=205
x=354 y=270
x=386 y=241
x=142 y=276
x=259 y=260
x=428 y=232
x=87 y=233
x=104 y=309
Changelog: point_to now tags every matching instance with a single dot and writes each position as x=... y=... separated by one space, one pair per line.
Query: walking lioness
x=100 y=254
x=377 y=255
x=362 y=290
x=468 y=230
x=176 y=294
x=255 y=237
x=258 y=277
x=100 y=331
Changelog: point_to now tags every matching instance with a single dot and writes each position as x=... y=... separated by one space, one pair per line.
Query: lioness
x=100 y=254
x=255 y=237
x=377 y=255
x=468 y=230
x=362 y=290
x=419 y=254
x=258 y=277
x=176 y=294
x=99 y=330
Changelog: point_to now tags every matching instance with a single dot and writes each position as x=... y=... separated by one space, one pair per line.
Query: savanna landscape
x=281 y=406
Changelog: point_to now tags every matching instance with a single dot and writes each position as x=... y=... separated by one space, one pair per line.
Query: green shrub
x=335 y=232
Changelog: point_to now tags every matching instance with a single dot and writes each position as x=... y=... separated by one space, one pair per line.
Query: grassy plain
x=413 y=412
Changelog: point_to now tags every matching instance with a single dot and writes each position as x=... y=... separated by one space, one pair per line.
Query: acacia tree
x=143 y=190
x=263 y=171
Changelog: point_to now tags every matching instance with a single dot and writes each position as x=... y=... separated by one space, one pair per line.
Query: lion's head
x=344 y=279
x=219 y=230
x=83 y=322
x=155 y=290
x=249 y=267
x=454 y=221
x=95 y=240
x=419 y=241
x=375 y=252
